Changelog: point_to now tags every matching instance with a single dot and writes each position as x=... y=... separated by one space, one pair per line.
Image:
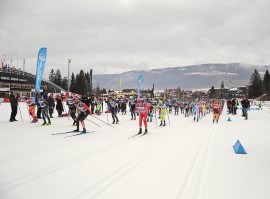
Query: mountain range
x=194 y=77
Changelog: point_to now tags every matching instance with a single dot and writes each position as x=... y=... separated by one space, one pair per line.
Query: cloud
x=112 y=36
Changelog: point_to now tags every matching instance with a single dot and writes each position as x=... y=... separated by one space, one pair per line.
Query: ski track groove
x=108 y=181
x=32 y=153
x=9 y=185
x=191 y=186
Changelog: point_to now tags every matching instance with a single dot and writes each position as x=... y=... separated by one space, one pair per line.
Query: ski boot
x=164 y=123
x=84 y=130
x=113 y=122
x=140 y=131
x=160 y=123
x=145 y=132
x=44 y=123
x=34 y=120
x=76 y=130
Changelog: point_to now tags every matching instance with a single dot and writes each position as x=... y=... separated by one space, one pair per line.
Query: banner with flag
x=120 y=87
x=41 y=62
x=153 y=92
x=139 y=85
x=23 y=65
x=2 y=64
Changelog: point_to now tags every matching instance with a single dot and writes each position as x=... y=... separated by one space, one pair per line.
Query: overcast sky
x=112 y=36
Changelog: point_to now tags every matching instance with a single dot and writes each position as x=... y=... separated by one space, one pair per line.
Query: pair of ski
x=138 y=135
x=75 y=133
x=160 y=126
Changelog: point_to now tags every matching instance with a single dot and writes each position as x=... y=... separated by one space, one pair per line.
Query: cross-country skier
x=216 y=110
x=150 y=112
x=72 y=109
x=132 y=103
x=32 y=110
x=142 y=108
x=196 y=112
x=98 y=107
x=176 y=107
x=123 y=106
x=83 y=112
x=113 y=109
x=44 y=109
x=187 y=109
x=182 y=107
x=163 y=113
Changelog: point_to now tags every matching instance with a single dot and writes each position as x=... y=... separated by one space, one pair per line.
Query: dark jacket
x=245 y=103
x=13 y=100
x=51 y=102
x=59 y=105
x=86 y=100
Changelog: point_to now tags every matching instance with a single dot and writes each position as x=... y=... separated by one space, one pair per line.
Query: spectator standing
x=245 y=106
x=51 y=105
x=13 y=99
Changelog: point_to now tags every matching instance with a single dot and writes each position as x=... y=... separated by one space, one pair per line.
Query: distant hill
x=187 y=77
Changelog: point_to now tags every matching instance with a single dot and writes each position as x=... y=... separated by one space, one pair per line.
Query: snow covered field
x=182 y=160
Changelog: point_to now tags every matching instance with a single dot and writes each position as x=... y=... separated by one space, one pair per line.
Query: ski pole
x=169 y=119
x=156 y=115
x=65 y=109
x=103 y=121
x=29 y=114
x=107 y=118
x=20 y=111
x=93 y=122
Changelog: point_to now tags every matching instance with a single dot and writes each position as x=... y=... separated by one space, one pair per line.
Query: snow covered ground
x=182 y=160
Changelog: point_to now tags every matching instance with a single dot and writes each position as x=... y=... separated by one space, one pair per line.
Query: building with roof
x=23 y=83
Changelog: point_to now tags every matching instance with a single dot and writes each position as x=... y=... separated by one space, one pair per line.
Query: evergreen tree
x=64 y=83
x=76 y=83
x=212 y=93
x=58 y=78
x=178 y=93
x=98 y=91
x=52 y=76
x=72 y=83
x=87 y=77
x=103 y=91
x=81 y=84
x=266 y=82
x=256 y=87
x=222 y=85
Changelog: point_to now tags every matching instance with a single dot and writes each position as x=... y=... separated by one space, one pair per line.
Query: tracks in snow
x=192 y=186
